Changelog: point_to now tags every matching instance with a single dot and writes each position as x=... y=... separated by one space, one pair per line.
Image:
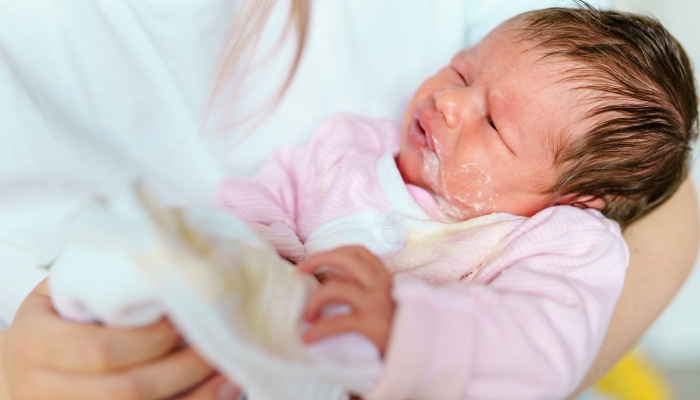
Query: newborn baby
x=494 y=194
x=475 y=251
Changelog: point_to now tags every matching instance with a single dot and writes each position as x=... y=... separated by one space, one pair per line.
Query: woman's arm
x=662 y=246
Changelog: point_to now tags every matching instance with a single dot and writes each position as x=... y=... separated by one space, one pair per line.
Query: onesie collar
x=395 y=188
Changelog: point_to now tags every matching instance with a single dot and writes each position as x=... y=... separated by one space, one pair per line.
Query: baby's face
x=481 y=134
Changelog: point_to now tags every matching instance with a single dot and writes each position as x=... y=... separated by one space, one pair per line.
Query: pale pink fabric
x=515 y=308
x=303 y=188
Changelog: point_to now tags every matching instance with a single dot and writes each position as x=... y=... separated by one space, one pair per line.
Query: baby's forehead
x=542 y=93
x=506 y=44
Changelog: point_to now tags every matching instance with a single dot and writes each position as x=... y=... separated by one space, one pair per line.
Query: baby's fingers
x=355 y=262
x=334 y=292
x=333 y=326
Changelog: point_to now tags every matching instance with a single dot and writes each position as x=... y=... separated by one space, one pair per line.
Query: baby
x=476 y=245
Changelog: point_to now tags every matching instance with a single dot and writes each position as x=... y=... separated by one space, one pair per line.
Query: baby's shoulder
x=561 y=226
x=561 y=219
x=564 y=240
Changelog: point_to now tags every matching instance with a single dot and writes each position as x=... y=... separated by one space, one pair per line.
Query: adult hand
x=45 y=357
x=364 y=285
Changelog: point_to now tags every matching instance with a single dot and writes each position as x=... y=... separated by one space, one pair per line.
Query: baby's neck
x=436 y=207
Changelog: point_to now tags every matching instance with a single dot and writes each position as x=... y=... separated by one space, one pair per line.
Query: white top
x=93 y=92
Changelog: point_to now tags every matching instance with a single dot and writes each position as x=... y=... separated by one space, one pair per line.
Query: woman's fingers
x=159 y=380
x=46 y=357
x=214 y=388
x=55 y=343
x=99 y=349
x=355 y=262
x=169 y=375
x=60 y=385
x=334 y=292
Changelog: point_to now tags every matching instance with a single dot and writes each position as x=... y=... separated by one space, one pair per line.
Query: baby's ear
x=582 y=202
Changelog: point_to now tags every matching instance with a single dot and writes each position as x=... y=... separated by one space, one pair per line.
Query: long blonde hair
x=244 y=38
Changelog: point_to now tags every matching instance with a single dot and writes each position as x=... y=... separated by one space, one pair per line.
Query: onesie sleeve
x=268 y=200
x=528 y=329
x=289 y=184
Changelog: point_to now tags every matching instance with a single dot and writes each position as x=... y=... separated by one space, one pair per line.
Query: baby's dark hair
x=643 y=114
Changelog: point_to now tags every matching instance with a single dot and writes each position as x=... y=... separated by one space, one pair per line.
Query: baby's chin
x=410 y=167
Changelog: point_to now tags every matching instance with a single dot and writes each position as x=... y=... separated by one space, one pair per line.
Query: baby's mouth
x=420 y=136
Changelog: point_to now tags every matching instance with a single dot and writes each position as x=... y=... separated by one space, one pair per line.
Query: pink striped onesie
x=499 y=306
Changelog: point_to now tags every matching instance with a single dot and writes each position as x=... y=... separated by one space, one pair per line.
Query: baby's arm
x=267 y=202
x=530 y=332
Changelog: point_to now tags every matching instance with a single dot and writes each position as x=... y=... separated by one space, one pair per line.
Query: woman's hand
x=364 y=285
x=45 y=357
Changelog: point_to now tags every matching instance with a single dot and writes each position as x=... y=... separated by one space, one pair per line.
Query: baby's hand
x=364 y=285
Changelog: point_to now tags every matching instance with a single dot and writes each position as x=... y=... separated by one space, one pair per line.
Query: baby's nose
x=454 y=104
x=450 y=105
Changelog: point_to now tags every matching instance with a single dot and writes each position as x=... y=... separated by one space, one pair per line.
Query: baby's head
x=582 y=107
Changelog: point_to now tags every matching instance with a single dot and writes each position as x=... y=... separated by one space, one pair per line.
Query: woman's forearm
x=4 y=388
x=663 y=246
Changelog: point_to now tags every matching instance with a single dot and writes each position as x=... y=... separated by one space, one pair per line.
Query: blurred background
x=673 y=343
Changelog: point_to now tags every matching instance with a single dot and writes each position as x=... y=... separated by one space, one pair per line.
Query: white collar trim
x=395 y=188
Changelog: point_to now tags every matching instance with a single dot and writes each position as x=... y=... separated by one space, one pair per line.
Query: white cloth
x=226 y=290
x=95 y=91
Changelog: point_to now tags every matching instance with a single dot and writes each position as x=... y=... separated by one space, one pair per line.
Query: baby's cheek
x=469 y=187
